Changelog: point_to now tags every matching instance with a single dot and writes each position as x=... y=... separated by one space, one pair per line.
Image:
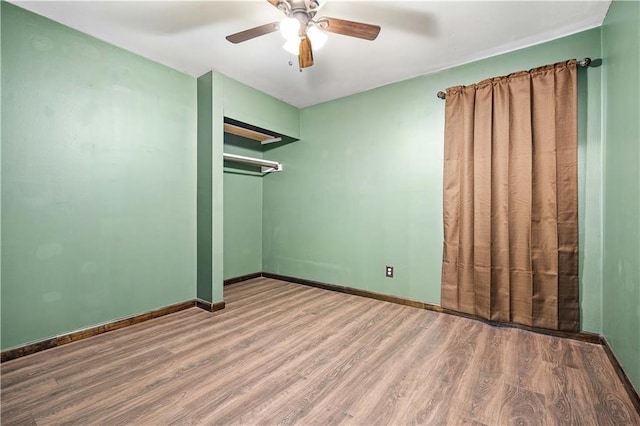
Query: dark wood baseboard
x=631 y=390
x=89 y=332
x=212 y=307
x=355 y=292
x=577 y=335
x=208 y=306
x=53 y=342
x=242 y=278
x=581 y=335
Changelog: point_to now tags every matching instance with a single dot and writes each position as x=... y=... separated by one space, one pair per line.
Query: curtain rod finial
x=584 y=63
x=441 y=95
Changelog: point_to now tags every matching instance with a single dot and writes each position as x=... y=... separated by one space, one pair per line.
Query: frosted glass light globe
x=292 y=46
x=289 y=28
x=318 y=38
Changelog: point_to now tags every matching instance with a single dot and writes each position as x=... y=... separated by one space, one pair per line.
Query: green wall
x=363 y=187
x=210 y=220
x=242 y=210
x=204 y=203
x=0 y=174
x=621 y=277
x=98 y=181
x=251 y=106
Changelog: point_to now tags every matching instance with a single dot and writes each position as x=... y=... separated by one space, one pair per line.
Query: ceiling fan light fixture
x=290 y=28
x=318 y=37
x=292 y=46
x=303 y=32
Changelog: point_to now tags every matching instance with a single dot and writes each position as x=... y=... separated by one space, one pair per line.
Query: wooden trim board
x=242 y=278
x=582 y=336
x=212 y=307
x=64 y=339
x=631 y=391
x=208 y=306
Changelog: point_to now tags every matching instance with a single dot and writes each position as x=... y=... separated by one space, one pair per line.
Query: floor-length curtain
x=510 y=199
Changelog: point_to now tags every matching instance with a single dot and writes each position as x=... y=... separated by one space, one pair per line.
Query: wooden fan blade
x=274 y=2
x=351 y=28
x=305 y=55
x=253 y=33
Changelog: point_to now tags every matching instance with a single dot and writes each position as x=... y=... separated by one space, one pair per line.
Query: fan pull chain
x=291 y=63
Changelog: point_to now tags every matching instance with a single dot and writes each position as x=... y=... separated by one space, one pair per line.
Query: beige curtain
x=510 y=199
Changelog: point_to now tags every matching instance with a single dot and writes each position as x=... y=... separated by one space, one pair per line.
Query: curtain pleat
x=500 y=256
x=510 y=199
x=481 y=195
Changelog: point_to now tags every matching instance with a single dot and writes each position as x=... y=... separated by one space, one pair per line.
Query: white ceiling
x=417 y=37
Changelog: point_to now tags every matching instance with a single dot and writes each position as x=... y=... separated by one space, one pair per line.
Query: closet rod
x=273 y=166
x=582 y=64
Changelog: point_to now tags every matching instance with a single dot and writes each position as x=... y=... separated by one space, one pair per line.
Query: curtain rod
x=582 y=64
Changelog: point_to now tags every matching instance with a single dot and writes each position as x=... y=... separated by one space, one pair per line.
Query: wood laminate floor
x=282 y=353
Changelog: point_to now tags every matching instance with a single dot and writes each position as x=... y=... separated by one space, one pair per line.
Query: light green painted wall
x=621 y=278
x=210 y=220
x=251 y=106
x=204 y=290
x=98 y=181
x=242 y=211
x=0 y=172
x=218 y=185
x=363 y=187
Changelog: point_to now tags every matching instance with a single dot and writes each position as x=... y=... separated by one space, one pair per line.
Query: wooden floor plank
x=281 y=353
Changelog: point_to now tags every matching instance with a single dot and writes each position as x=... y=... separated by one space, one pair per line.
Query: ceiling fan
x=303 y=31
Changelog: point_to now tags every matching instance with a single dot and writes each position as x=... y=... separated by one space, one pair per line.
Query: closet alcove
x=250 y=156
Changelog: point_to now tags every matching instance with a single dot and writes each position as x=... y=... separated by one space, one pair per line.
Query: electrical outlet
x=389 y=271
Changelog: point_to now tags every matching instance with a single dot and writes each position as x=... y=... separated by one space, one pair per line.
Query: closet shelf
x=251 y=134
x=249 y=131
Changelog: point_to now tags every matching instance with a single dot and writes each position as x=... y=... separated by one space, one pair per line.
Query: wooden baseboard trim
x=242 y=278
x=581 y=336
x=213 y=307
x=90 y=332
x=208 y=306
x=631 y=390
x=355 y=292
